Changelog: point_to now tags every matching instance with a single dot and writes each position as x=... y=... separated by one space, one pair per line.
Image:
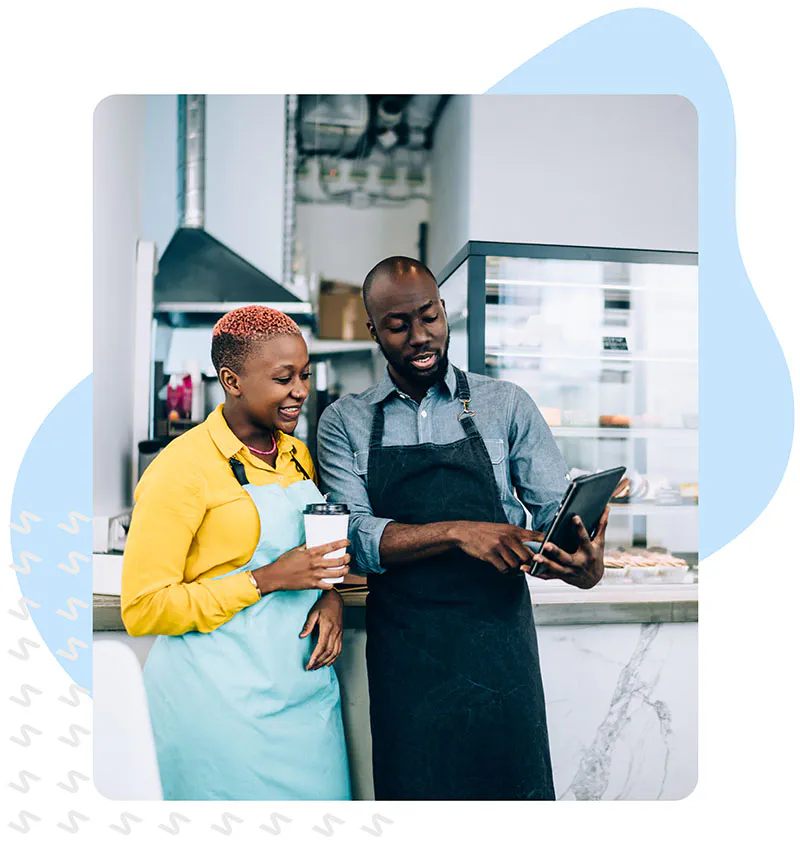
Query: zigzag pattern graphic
x=73 y=613
x=24 y=645
x=376 y=829
x=73 y=776
x=74 y=528
x=74 y=730
x=275 y=829
x=26 y=558
x=25 y=731
x=74 y=689
x=72 y=816
x=26 y=690
x=74 y=558
x=25 y=777
x=125 y=829
x=23 y=825
x=174 y=828
x=26 y=518
x=72 y=644
x=24 y=613
x=226 y=828
x=328 y=830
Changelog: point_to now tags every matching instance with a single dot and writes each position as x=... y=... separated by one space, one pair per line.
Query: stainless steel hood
x=199 y=276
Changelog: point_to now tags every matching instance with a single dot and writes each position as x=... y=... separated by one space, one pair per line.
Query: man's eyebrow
x=423 y=308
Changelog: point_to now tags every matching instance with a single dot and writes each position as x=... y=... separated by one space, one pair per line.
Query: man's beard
x=403 y=370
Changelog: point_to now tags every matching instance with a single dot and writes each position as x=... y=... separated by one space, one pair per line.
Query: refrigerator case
x=605 y=342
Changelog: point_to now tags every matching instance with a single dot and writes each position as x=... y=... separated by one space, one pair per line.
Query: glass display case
x=605 y=342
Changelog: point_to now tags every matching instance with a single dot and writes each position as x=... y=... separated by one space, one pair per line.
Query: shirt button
x=424 y=413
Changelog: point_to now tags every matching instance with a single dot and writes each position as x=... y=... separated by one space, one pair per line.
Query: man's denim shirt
x=528 y=466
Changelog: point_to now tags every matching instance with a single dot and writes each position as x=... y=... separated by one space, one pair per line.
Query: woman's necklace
x=268 y=452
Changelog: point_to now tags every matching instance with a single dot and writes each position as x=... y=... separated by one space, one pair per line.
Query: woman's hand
x=583 y=568
x=303 y=568
x=326 y=617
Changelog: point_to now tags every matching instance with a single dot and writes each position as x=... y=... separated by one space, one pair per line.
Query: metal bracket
x=466 y=411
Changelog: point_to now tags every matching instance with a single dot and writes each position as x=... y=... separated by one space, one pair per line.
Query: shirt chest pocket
x=361 y=462
x=498 y=457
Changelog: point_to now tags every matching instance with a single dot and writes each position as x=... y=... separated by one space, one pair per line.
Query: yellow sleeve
x=170 y=505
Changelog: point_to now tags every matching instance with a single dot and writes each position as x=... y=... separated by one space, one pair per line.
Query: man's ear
x=371 y=328
x=444 y=306
x=230 y=382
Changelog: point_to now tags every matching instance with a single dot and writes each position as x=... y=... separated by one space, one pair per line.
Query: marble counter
x=619 y=666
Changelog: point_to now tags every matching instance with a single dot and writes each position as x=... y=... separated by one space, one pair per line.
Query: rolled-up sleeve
x=339 y=478
x=170 y=505
x=538 y=470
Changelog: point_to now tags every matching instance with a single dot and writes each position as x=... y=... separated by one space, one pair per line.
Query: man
x=428 y=461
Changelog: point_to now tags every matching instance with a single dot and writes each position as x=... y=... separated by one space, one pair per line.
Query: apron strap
x=376 y=435
x=238 y=471
x=465 y=417
x=463 y=393
x=241 y=476
x=299 y=466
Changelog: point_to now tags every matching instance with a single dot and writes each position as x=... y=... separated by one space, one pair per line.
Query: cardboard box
x=341 y=312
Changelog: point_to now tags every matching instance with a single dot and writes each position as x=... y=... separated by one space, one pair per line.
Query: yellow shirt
x=192 y=522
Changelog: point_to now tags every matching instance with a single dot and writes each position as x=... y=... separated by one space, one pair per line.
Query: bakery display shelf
x=499 y=355
x=520 y=286
x=651 y=508
x=592 y=432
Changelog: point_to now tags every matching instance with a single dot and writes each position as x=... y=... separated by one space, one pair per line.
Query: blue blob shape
x=630 y=52
x=54 y=484
x=643 y=51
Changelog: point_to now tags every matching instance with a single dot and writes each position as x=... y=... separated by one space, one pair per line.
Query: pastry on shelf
x=615 y=420
x=636 y=564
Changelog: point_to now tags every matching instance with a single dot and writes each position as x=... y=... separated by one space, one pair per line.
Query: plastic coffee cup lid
x=327 y=508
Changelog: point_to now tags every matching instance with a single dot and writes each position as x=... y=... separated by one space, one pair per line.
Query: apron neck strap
x=238 y=471
x=463 y=393
x=464 y=417
x=299 y=466
x=376 y=435
x=241 y=475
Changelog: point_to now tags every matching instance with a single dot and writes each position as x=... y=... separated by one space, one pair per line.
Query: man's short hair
x=395 y=267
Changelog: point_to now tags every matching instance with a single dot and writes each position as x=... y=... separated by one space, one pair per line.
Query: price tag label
x=615 y=343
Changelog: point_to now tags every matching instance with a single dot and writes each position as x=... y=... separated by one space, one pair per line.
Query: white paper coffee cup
x=326 y=522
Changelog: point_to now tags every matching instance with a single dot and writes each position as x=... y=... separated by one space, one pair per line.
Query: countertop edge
x=549 y=608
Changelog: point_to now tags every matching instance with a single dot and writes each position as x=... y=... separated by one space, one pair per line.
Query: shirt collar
x=230 y=445
x=386 y=386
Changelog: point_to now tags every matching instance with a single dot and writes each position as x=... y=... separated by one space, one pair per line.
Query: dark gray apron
x=456 y=701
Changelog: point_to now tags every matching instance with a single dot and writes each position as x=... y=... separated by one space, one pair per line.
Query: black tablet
x=587 y=497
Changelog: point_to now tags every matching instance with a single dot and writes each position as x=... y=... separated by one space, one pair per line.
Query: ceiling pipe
x=191 y=161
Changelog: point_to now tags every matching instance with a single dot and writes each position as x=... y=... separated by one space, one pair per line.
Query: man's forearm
x=402 y=543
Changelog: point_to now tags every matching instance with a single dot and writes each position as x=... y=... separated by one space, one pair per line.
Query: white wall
x=450 y=180
x=160 y=173
x=344 y=243
x=245 y=143
x=245 y=140
x=119 y=129
x=607 y=171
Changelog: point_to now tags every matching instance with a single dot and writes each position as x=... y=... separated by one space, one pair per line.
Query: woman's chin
x=287 y=424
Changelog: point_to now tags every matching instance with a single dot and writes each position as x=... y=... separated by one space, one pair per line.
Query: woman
x=241 y=702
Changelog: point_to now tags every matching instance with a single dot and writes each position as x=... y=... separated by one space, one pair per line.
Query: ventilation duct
x=198 y=274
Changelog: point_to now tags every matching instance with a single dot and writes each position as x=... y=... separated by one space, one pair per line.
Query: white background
x=60 y=60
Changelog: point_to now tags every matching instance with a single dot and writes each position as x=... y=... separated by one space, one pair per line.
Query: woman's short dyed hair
x=236 y=333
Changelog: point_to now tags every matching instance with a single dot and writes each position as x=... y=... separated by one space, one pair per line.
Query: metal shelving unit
x=594 y=334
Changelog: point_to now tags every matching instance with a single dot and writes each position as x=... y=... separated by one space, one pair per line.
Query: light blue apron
x=235 y=714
